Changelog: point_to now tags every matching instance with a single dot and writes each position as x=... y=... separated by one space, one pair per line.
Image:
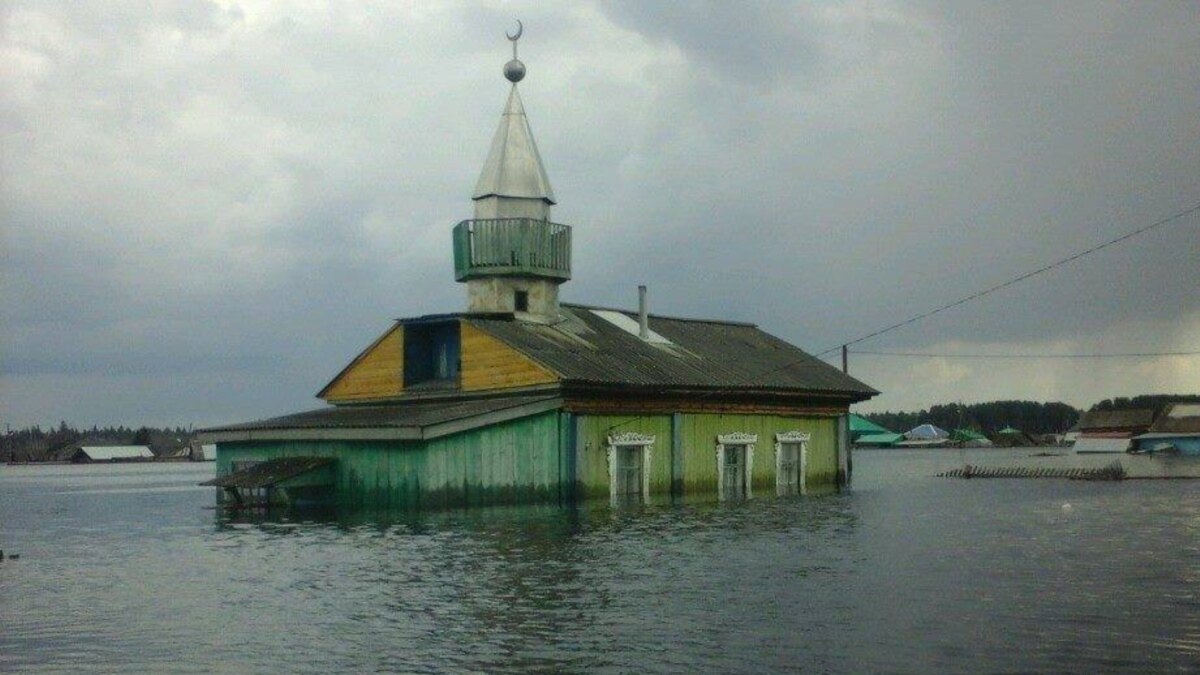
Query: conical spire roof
x=514 y=167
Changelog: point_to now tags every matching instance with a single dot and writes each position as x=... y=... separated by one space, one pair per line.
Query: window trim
x=800 y=438
x=624 y=440
x=741 y=439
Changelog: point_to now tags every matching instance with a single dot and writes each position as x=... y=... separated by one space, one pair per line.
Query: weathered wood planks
x=377 y=373
x=488 y=363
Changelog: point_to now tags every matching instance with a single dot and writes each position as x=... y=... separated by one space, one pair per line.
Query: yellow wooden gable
x=376 y=373
x=486 y=363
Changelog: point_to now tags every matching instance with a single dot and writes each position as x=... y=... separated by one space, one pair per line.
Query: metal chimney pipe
x=643 y=316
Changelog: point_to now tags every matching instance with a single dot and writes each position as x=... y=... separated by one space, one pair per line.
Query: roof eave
x=379 y=433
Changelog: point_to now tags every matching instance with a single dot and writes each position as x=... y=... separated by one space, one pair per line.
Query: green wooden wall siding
x=512 y=462
x=530 y=460
x=699 y=447
x=592 y=451
x=698 y=444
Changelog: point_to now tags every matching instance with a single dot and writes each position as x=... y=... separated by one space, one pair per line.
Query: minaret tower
x=510 y=255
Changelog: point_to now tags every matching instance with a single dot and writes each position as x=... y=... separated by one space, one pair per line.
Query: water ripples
x=906 y=574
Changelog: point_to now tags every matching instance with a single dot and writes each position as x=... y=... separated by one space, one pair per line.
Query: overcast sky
x=208 y=208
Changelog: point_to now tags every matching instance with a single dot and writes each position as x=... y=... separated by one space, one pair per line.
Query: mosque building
x=522 y=398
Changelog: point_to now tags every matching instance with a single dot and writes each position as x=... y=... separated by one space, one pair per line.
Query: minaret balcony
x=516 y=247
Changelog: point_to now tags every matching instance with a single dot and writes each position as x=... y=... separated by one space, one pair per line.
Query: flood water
x=128 y=568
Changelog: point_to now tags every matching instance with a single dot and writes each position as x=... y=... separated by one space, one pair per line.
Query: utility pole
x=847 y=469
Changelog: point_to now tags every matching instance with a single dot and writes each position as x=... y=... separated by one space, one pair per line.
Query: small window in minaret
x=521 y=301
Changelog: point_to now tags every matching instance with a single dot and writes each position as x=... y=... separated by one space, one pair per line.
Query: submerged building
x=84 y=454
x=1176 y=430
x=522 y=398
x=1108 y=431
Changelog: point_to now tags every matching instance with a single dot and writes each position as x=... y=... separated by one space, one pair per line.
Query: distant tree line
x=1154 y=402
x=34 y=444
x=1031 y=417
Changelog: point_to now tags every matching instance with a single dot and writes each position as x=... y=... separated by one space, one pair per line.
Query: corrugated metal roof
x=102 y=453
x=399 y=415
x=587 y=349
x=926 y=432
x=1116 y=419
x=880 y=439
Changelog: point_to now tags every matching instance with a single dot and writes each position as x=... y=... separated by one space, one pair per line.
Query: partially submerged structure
x=1111 y=430
x=885 y=440
x=861 y=426
x=1177 y=430
x=1011 y=437
x=866 y=434
x=969 y=438
x=522 y=398
x=925 y=436
x=84 y=454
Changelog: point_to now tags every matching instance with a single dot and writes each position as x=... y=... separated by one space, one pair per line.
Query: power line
x=1119 y=355
x=1023 y=277
x=1169 y=219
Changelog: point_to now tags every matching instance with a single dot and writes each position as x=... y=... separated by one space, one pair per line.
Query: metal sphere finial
x=514 y=71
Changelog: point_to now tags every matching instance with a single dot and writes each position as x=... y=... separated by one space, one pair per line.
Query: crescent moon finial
x=520 y=29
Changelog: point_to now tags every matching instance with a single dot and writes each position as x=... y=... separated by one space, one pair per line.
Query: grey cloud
x=217 y=208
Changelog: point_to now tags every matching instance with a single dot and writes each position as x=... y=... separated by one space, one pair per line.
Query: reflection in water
x=907 y=573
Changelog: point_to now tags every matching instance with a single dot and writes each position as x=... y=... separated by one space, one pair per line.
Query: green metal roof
x=967 y=435
x=862 y=425
x=880 y=439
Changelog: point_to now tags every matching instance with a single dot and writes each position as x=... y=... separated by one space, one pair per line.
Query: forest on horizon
x=1032 y=417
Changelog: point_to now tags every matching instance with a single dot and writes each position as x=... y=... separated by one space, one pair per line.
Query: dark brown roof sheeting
x=270 y=472
x=1116 y=419
x=1169 y=423
x=392 y=415
x=587 y=349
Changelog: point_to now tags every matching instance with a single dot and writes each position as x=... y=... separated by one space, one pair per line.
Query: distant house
x=861 y=426
x=1010 y=437
x=1111 y=430
x=925 y=435
x=83 y=454
x=1176 y=430
x=884 y=440
x=1071 y=435
x=968 y=438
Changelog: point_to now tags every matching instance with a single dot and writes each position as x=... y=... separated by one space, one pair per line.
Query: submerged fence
x=1113 y=471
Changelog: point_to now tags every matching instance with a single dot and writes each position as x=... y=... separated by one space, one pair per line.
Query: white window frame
x=629 y=439
x=800 y=438
x=735 y=438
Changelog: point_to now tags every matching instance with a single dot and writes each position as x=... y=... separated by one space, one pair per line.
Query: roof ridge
x=633 y=313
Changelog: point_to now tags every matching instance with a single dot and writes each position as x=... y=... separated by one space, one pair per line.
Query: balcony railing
x=512 y=247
